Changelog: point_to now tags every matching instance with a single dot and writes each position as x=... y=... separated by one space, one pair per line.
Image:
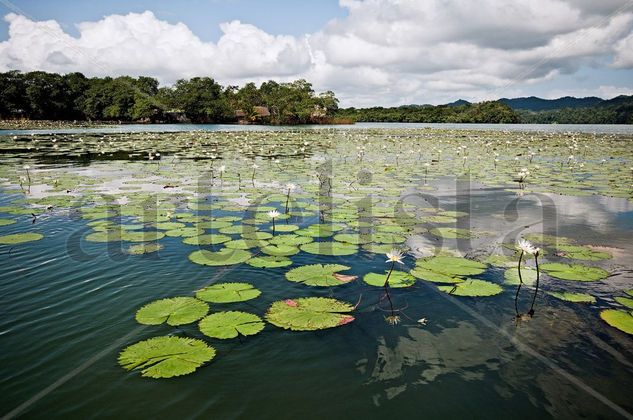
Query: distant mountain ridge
x=533 y=103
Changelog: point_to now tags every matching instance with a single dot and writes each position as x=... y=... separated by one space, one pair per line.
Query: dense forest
x=40 y=95
x=49 y=96
x=484 y=112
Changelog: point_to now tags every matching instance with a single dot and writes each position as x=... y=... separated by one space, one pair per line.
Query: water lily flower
x=394 y=256
x=273 y=213
x=527 y=247
x=392 y=319
x=422 y=321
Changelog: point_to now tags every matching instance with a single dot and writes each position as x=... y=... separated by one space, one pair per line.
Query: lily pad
x=20 y=238
x=330 y=248
x=434 y=276
x=269 y=261
x=143 y=248
x=228 y=292
x=320 y=275
x=230 y=324
x=451 y=233
x=624 y=301
x=573 y=297
x=397 y=279
x=225 y=256
x=576 y=272
x=577 y=252
x=472 y=287
x=166 y=357
x=207 y=239
x=5 y=222
x=622 y=320
x=452 y=266
x=172 y=311
x=280 y=250
x=309 y=314
x=291 y=240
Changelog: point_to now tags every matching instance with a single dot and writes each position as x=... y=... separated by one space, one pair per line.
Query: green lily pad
x=173 y=311
x=320 y=275
x=257 y=235
x=20 y=238
x=280 y=250
x=433 y=276
x=397 y=279
x=329 y=248
x=577 y=252
x=230 y=324
x=269 y=261
x=5 y=222
x=452 y=266
x=622 y=320
x=573 y=297
x=244 y=244
x=225 y=256
x=207 y=239
x=472 y=287
x=285 y=228
x=309 y=314
x=628 y=302
x=143 y=248
x=134 y=236
x=451 y=233
x=166 y=357
x=290 y=240
x=185 y=232
x=576 y=272
x=228 y=292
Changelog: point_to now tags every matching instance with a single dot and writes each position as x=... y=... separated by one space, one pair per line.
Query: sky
x=369 y=52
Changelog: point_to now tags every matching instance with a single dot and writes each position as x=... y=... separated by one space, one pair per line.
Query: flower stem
x=537 y=283
x=516 y=296
x=386 y=286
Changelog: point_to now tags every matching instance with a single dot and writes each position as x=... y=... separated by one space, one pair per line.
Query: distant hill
x=532 y=103
x=458 y=102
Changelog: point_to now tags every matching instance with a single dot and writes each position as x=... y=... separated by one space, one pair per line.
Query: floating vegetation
x=473 y=288
x=225 y=256
x=622 y=320
x=575 y=272
x=318 y=208
x=573 y=297
x=320 y=275
x=309 y=314
x=228 y=293
x=172 y=311
x=166 y=357
x=20 y=238
x=230 y=324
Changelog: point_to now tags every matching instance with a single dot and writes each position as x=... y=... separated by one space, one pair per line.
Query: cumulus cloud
x=383 y=52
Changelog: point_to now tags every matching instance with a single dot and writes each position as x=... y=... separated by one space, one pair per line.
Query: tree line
x=492 y=112
x=40 y=95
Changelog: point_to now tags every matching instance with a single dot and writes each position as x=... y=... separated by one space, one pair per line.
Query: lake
x=96 y=224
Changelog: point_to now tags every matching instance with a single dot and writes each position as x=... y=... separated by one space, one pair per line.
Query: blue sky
x=201 y=16
x=370 y=52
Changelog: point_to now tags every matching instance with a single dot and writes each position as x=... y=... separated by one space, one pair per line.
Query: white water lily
x=527 y=247
x=291 y=186
x=273 y=214
x=394 y=256
x=222 y=169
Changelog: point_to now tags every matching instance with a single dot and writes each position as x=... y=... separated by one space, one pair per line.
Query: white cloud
x=384 y=52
